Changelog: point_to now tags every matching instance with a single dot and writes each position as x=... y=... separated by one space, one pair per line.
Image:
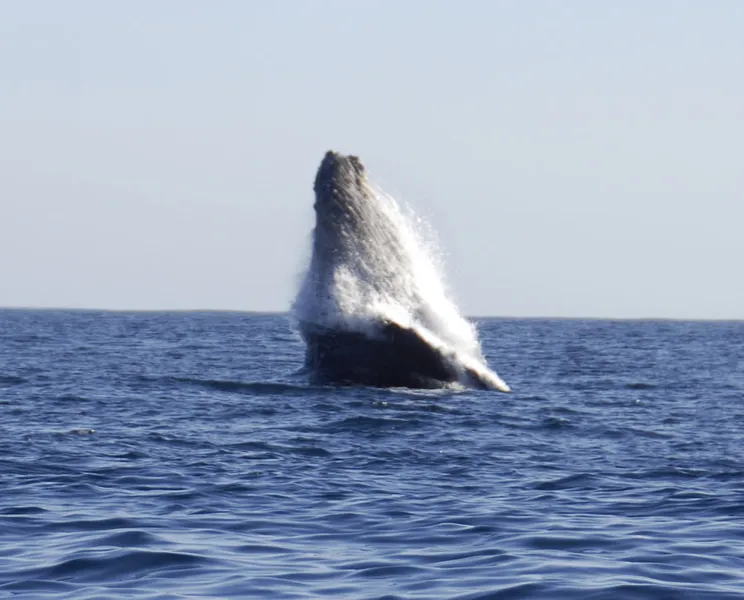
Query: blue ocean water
x=180 y=455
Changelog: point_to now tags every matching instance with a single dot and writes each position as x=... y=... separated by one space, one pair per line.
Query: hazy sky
x=577 y=158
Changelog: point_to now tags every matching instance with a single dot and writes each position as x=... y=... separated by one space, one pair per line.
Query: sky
x=577 y=158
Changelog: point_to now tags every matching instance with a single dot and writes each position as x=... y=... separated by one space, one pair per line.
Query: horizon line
x=287 y=313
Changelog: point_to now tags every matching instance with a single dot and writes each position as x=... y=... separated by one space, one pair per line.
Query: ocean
x=182 y=455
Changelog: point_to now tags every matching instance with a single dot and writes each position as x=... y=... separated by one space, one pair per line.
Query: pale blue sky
x=576 y=158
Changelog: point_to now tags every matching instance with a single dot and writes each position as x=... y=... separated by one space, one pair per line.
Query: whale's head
x=347 y=209
x=339 y=171
x=341 y=188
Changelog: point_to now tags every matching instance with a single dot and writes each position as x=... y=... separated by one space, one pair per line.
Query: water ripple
x=182 y=455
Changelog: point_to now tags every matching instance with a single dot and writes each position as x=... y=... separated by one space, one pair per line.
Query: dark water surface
x=160 y=455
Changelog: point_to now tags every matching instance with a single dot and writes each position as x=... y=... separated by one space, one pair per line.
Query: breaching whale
x=372 y=309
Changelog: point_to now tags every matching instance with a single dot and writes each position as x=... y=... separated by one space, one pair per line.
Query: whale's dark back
x=393 y=356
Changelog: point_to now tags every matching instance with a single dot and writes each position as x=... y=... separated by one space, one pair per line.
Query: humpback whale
x=372 y=309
